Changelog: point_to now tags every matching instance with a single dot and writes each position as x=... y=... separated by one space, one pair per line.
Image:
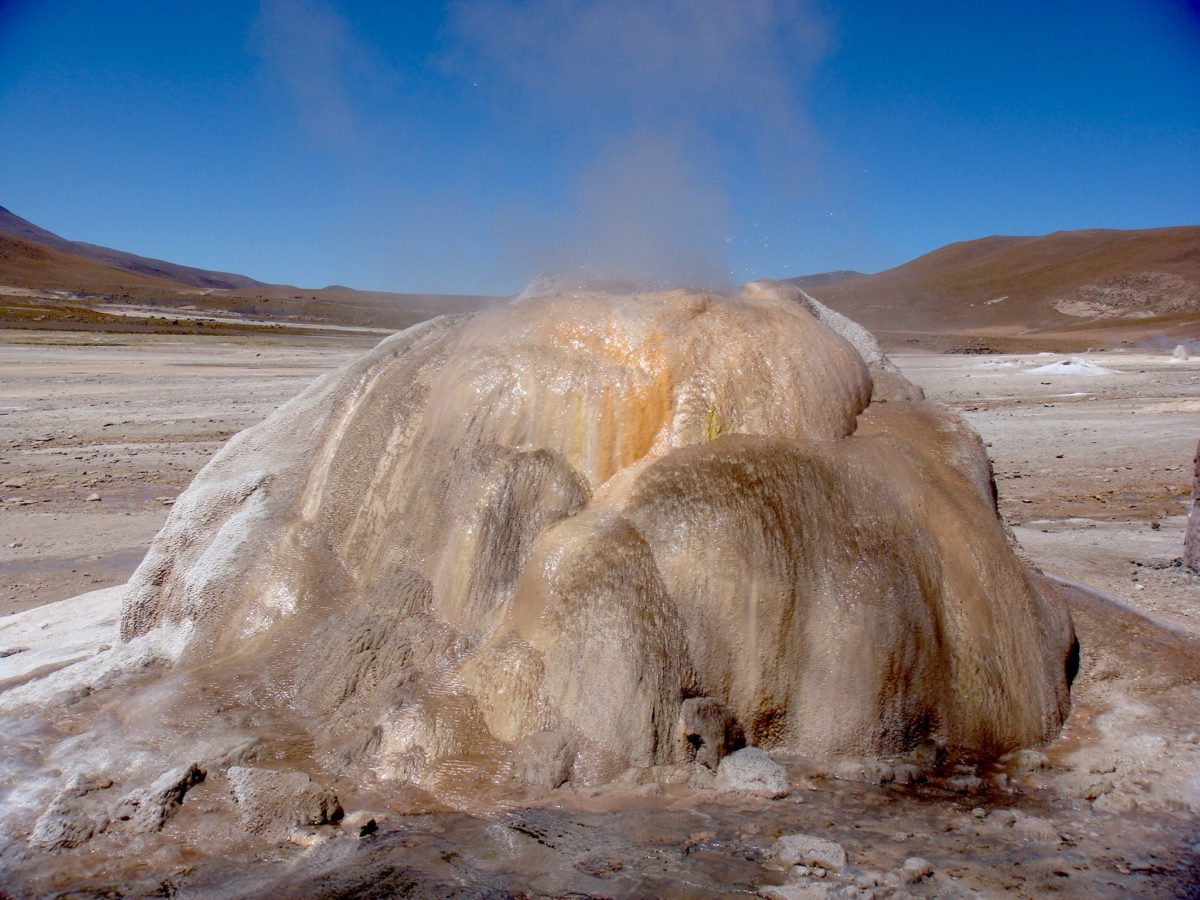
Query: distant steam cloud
x=648 y=212
x=643 y=89
x=309 y=50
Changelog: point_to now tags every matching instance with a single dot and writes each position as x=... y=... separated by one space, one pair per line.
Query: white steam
x=643 y=94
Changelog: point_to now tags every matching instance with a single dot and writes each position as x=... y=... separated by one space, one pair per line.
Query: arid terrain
x=121 y=377
x=1070 y=290
x=130 y=419
x=1092 y=466
x=48 y=282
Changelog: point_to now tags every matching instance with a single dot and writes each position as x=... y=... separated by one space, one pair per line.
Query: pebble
x=92 y=498
x=914 y=869
x=805 y=850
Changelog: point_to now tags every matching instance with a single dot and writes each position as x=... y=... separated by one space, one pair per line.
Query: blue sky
x=467 y=146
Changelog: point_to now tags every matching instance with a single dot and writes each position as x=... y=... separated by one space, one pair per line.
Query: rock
x=1115 y=802
x=751 y=771
x=1026 y=758
x=93 y=498
x=368 y=828
x=795 y=890
x=272 y=802
x=703 y=779
x=71 y=820
x=868 y=771
x=1180 y=353
x=1004 y=818
x=544 y=759
x=964 y=784
x=149 y=810
x=907 y=773
x=893 y=387
x=708 y=731
x=15 y=483
x=1035 y=829
x=914 y=869
x=806 y=850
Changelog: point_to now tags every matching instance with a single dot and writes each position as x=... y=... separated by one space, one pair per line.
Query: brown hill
x=33 y=266
x=13 y=225
x=98 y=278
x=1096 y=283
x=822 y=278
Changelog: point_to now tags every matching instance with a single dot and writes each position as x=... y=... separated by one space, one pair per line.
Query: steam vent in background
x=571 y=535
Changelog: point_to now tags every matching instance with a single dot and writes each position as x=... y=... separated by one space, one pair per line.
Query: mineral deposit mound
x=575 y=534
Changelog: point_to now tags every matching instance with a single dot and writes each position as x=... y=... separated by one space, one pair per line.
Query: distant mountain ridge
x=823 y=278
x=14 y=226
x=1064 y=281
x=60 y=272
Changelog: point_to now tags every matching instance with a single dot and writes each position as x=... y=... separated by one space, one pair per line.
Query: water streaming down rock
x=575 y=534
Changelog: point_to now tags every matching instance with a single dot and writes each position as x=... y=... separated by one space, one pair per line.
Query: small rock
x=914 y=869
x=964 y=784
x=806 y=850
x=92 y=498
x=148 y=810
x=544 y=759
x=906 y=773
x=71 y=819
x=368 y=828
x=869 y=879
x=272 y=801
x=979 y=812
x=1004 y=818
x=15 y=483
x=795 y=890
x=1035 y=829
x=707 y=731
x=868 y=771
x=750 y=770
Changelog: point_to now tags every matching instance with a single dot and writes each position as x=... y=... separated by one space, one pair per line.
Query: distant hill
x=823 y=278
x=37 y=260
x=30 y=265
x=13 y=225
x=1097 y=280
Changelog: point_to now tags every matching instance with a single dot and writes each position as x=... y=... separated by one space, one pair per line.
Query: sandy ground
x=130 y=418
x=1086 y=465
x=1093 y=470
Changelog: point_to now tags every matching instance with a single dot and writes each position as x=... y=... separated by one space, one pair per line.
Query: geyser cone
x=571 y=535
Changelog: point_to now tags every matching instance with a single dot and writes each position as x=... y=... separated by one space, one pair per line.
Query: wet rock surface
x=921 y=840
x=751 y=771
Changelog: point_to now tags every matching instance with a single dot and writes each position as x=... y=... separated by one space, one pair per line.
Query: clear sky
x=466 y=146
